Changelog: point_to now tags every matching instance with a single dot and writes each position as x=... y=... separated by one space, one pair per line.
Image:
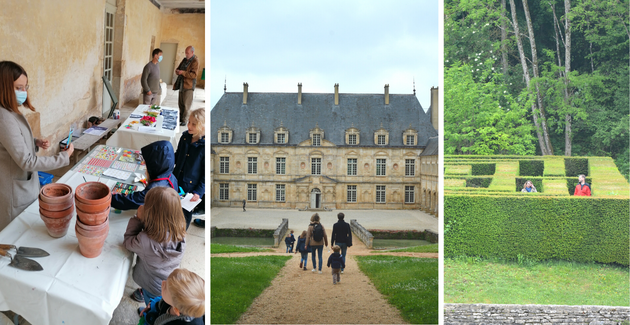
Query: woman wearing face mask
x=19 y=182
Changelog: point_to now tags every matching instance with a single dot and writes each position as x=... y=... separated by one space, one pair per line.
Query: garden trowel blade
x=26 y=264
x=31 y=252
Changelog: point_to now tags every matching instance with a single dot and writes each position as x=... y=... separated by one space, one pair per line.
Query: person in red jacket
x=582 y=189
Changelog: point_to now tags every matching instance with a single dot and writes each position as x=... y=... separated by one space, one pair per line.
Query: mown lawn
x=220 y=248
x=236 y=281
x=433 y=248
x=409 y=283
x=475 y=280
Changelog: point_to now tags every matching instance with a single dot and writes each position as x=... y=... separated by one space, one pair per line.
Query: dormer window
x=381 y=139
x=281 y=135
x=253 y=135
x=381 y=136
x=316 y=135
x=225 y=134
x=410 y=137
x=352 y=136
x=280 y=138
x=317 y=140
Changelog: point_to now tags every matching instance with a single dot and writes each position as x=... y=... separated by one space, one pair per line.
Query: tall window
x=252 y=138
x=316 y=166
x=224 y=191
x=224 y=165
x=352 y=139
x=280 y=165
x=352 y=167
x=352 y=193
x=281 y=137
x=410 y=140
x=316 y=140
x=381 y=139
x=380 y=167
x=251 y=192
x=380 y=193
x=252 y=165
x=410 y=167
x=280 y=192
x=410 y=196
x=225 y=137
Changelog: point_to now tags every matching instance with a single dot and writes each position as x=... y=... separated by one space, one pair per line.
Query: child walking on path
x=336 y=261
x=301 y=241
x=190 y=160
x=289 y=242
x=156 y=234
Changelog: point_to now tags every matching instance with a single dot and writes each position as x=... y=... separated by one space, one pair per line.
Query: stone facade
x=464 y=314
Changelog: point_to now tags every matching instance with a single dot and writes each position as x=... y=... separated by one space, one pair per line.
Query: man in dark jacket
x=159 y=159
x=341 y=236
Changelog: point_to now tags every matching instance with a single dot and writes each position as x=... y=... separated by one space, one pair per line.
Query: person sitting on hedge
x=582 y=189
x=529 y=187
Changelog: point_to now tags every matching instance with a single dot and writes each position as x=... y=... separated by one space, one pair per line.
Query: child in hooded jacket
x=156 y=234
x=336 y=261
x=301 y=241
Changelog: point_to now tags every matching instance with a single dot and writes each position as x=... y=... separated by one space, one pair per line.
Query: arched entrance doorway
x=316 y=199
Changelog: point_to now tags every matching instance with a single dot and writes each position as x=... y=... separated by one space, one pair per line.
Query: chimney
x=245 y=85
x=434 y=108
x=386 y=94
x=299 y=93
x=337 y=94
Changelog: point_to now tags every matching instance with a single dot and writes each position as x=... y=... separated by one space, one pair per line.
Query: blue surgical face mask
x=21 y=96
x=160 y=59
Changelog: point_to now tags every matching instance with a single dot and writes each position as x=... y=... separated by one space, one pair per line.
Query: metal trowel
x=26 y=251
x=22 y=263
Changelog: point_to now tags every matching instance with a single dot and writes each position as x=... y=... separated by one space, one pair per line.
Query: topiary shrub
x=573 y=182
x=531 y=167
x=538 y=183
x=483 y=169
x=575 y=166
x=478 y=182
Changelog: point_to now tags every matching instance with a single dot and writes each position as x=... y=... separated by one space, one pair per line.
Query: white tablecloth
x=71 y=289
x=134 y=139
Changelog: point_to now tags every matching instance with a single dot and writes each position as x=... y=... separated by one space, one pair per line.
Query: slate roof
x=432 y=147
x=366 y=112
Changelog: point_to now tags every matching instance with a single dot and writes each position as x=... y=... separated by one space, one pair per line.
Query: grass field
x=410 y=284
x=433 y=248
x=474 y=280
x=220 y=248
x=235 y=282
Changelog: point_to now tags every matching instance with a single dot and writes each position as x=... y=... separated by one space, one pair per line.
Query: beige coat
x=311 y=241
x=19 y=182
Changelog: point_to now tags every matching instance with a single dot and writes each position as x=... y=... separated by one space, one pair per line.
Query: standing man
x=582 y=189
x=244 y=205
x=186 y=82
x=341 y=236
x=151 y=79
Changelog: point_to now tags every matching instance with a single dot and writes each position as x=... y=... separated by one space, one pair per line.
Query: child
x=182 y=301
x=337 y=264
x=289 y=242
x=303 y=250
x=156 y=234
x=190 y=160
x=159 y=160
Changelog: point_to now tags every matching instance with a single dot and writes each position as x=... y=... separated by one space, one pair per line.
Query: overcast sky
x=362 y=45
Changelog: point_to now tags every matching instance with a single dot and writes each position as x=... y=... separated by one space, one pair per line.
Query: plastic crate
x=44 y=178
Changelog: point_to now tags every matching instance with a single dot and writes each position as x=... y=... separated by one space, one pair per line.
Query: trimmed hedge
x=573 y=182
x=575 y=166
x=538 y=183
x=531 y=167
x=478 y=182
x=397 y=234
x=539 y=228
x=483 y=169
x=241 y=232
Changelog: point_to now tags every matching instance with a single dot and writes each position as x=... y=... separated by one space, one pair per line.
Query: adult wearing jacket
x=316 y=246
x=190 y=160
x=186 y=82
x=160 y=159
x=583 y=188
x=341 y=236
x=19 y=184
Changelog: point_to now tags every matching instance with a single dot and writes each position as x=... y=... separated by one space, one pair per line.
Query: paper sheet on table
x=117 y=174
x=188 y=204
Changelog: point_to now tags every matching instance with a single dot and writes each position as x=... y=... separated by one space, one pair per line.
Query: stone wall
x=461 y=314
x=362 y=233
x=280 y=233
x=186 y=29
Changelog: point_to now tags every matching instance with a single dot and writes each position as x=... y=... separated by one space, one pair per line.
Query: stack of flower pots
x=93 y=201
x=56 y=208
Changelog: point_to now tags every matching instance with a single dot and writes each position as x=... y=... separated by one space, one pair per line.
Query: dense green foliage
x=531 y=167
x=478 y=182
x=220 y=248
x=483 y=169
x=476 y=280
x=236 y=281
x=241 y=232
x=397 y=234
x=537 y=228
x=575 y=166
x=410 y=284
x=432 y=248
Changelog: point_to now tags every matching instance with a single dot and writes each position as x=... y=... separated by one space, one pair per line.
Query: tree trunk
x=504 y=55
x=567 y=69
x=519 y=44
x=532 y=42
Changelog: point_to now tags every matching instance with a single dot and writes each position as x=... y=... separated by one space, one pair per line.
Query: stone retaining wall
x=280 y=233
x=362 y=233
x=463 y=314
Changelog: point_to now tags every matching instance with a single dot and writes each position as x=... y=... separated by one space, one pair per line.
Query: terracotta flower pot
x=93 y=193
x=55 y=193
x=57 y=214
x=55 y=206
x=92 y=208
x=57 y=227
x=92 y=231
x=90 y=246
x=92 y=219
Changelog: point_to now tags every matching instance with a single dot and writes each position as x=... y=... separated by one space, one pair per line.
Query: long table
x=72 y=289
x=135 y=138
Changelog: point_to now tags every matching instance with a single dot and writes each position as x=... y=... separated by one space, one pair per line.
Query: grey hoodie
x=155 y=261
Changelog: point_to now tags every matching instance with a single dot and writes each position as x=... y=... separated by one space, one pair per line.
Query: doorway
x=168 y=64
x=316 y=199
x=108 y=55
